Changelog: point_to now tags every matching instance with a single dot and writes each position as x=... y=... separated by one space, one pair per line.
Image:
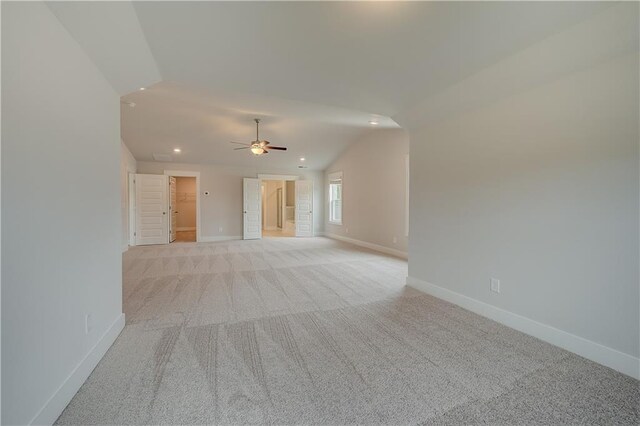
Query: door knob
x=245 y=212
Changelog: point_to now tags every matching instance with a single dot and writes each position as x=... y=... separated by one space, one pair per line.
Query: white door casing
x=188 y=173
x=252 y=209
x=151 y=209
x=172 y=208
x=132 y=209
x=304 y=208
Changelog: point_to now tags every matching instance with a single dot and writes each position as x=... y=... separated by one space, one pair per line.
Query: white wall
x=186 y=204
x=373 y=189
x=540 y=189
x=61 y=239
x=128 y=165
x=222 y=208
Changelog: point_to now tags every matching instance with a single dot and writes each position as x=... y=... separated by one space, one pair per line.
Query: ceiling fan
x=259 y=147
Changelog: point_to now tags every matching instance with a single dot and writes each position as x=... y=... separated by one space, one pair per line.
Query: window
x=335 y=198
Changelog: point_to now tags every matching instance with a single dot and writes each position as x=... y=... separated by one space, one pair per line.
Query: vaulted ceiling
x=202 y=123
x=315 y=72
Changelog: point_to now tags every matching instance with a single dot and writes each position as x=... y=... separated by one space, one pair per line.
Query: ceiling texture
x=316 y=73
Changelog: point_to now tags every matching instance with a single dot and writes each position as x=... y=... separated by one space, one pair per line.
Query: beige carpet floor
x=314 y=331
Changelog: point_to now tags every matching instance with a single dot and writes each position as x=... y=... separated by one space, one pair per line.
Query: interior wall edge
x=52 y=409
x=366 y=244
x=373 y=176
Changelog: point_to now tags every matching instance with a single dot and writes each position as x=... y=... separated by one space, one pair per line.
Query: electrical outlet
x=220 y=229
x=346 y=230
x=495 y=285
x=395 y=239
x=88 y=323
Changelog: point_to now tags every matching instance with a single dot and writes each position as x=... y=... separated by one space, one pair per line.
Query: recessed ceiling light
x=373 y=122
x=301 y=158
x=177 y=150
x=142 y=88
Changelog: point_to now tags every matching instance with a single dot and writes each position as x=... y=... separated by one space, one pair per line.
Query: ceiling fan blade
x=279 y=148
x=240 y=143
x=244 y=147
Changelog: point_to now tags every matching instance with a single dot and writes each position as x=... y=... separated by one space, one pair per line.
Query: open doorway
x=183 y=214
x=164 y=208
x=278 y=208
x=266 y=211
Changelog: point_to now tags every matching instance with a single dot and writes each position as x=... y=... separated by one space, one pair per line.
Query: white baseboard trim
x=219 y=238
x=186 y=228
x=125 y=247
x=372 y=246
x=593 y=351
x=52 y=409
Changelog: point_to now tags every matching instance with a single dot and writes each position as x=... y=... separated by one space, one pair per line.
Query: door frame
x=132 y=208
x=173 y=192
x=263 y=204
x=187 y=173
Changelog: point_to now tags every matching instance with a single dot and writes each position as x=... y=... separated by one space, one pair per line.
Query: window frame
x=333 y=178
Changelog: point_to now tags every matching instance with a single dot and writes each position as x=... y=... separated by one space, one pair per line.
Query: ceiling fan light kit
x=258 y=150
x=259 y=147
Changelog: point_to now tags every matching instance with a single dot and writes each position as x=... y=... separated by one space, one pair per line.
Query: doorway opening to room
x=278 y=208
x=164 y=208
x=183 y=194
x=265 y=210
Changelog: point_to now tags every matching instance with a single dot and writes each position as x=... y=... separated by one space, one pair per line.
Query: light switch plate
x=88 y=324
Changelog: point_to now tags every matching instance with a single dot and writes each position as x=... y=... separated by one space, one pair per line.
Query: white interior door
x=173 y=209
x=152 y=225
x=252 y=209
x=304 y=208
